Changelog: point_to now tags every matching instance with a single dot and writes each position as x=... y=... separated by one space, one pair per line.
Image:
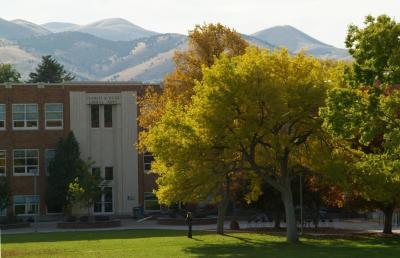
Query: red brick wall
x=43 y=139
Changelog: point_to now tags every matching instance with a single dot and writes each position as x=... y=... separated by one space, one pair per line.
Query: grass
x=171 y=243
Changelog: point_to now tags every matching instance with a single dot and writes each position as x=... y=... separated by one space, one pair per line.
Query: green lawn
x=168 y=243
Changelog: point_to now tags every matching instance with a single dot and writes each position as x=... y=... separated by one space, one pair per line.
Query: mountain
x=117 y=50
x=295 y=40
x=19 y=29
x=115 y=29
x=60 y=26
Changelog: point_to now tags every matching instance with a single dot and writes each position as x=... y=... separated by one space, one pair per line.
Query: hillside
x=295 y=40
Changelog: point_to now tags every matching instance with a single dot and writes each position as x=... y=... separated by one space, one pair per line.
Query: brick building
x=103 y=117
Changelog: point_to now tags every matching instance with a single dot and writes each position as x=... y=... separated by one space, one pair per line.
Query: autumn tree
x=264 y=106
x=9 y=74
x=205 y=44
x=364 y=116
x=50 y=71
x=190 y=164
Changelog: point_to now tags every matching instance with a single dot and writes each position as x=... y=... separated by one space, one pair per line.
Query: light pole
x=301 y=203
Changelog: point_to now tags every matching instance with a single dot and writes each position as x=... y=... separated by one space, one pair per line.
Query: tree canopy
x=8 y=73
x=376 y=50
x=50 y=71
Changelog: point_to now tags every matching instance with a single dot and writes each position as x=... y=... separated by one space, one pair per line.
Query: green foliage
x=50 y=71
x=85 y=188
x=376 y=50
x=5 y=190
x=62 y=170
x=8 y=73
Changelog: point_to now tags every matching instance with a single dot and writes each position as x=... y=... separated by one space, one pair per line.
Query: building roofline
x=81 y=83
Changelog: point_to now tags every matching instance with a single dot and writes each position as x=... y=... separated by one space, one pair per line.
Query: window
x=105 y=202
x=108 y=119
x=96 y=172
x=26 y=204
x=3 y=162
x=54 y=114
x=151 y=202
x=26 y=162
x=95 y=115
x=109 y=173
x=50 y=154
x=147 y=159
x=25 y=116
x=2 y=116
x=3 y=212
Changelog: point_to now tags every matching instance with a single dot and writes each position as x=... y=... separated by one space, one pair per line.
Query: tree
x=376 y=50
x=363 y=116
x=86 y=188
x=264 y=106
x=205 y=44
x=186 y=159
x=63 y=170
x=8 y=74
x=5 y=190
x=50 y=71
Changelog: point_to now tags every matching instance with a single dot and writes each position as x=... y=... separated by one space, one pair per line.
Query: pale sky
x=322 y=19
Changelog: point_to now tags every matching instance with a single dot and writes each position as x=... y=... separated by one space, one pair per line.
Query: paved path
x=151 y=224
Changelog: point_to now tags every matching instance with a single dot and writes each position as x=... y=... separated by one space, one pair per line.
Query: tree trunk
x=222 y=207
x=221 y=217
x=291 y=226
x=388 y=211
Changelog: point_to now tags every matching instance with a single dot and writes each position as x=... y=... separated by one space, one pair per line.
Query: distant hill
x=60 y=26
x=19 y=29
x=116 y=29
x=295 y=40
x=117 y=50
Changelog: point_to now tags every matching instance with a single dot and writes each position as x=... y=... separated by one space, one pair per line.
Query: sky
x=326 y=20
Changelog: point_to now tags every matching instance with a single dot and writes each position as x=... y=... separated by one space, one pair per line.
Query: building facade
x=103 y=117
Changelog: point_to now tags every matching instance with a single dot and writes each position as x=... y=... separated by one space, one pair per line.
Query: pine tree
x=50 y=71
x=63 y=169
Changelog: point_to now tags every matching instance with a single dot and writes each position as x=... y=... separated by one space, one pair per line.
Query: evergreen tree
x=50 y=71
x=63 y=170
x=8 y=73
x=5 y=190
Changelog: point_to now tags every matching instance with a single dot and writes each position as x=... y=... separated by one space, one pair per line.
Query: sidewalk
x=151 y=224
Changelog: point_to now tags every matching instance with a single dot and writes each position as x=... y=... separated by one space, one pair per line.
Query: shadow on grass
x=98 y=235
x=309 y=247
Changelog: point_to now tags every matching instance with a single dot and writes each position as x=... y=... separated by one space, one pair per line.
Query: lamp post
x=301 y=203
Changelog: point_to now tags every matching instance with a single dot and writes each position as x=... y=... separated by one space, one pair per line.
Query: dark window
x=96 y=172
x=95 y=111
x=108 y=119
x=147 y=160
x=109 y=173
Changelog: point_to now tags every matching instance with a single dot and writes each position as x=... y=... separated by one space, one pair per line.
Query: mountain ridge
x=91 y=56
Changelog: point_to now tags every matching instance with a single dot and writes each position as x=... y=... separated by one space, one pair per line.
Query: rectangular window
x=26 y=204
x=3 y=162
x=2 y=116
x=108 y=118
x=147 y=160
x=96 y=172
x=105 y=202
x=151 y=202
x=109 y=173
x=54 y=115
x=95 y=115
x=3 y=212
x=50 y=154
x=25 y=116
x=26 y=162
